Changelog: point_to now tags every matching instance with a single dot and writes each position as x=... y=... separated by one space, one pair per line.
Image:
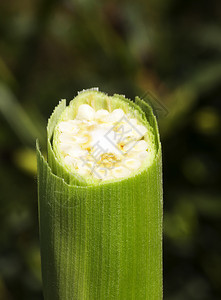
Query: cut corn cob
x=108 y=144
x=100 y=201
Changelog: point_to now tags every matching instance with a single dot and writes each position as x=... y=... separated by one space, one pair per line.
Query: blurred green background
x=50 y=50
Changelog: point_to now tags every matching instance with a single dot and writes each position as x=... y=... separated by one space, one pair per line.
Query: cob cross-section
x=100 y=201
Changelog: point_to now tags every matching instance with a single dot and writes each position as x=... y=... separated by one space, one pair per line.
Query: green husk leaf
x=100 y=241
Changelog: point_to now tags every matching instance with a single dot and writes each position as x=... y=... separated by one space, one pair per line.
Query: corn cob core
x=104 y=144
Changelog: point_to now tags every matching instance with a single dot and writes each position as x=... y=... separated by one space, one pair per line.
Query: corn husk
x=103 y=240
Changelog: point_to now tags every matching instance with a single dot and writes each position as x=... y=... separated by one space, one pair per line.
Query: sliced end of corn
x=103 y=138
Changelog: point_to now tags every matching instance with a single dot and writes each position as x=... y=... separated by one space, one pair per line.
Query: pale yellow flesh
x=103 y=145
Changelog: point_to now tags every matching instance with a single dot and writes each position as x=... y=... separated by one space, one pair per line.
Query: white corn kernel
x=85 y=112
x=101 y=114
x=101 y=173
x=140 y=146
x=65 y=147
x=142 y=130
x=76 y=151
x=143 y=155
x=68 y=126
x=66 y=138
x=84 y=171
x=70 y=160
x=115 y=116
x=132 y=163
x=81 y=139
x=119 y=172
x=133 y=122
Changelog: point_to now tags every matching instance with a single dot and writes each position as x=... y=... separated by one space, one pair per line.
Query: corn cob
x=100 y=200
